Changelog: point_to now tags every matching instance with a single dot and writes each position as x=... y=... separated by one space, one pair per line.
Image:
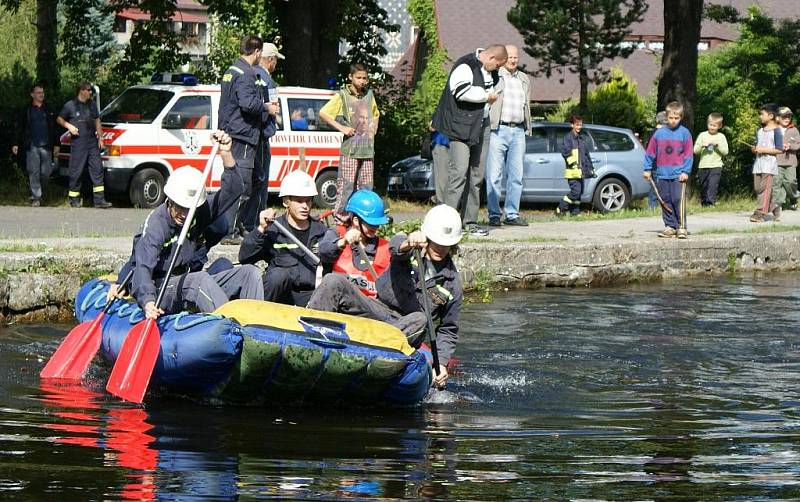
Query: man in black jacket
x=37 y=138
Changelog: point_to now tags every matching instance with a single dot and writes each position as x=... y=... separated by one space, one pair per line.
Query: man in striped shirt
x=461 y=115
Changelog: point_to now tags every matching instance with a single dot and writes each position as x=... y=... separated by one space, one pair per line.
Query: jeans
x=506 y=155
x=38 y=164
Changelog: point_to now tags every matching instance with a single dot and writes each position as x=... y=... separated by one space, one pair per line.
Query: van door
x=185 y=136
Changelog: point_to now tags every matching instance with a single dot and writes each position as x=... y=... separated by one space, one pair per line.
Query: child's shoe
x=668 y=232
x=757 y=217
x=776 y=214
x=682 y=233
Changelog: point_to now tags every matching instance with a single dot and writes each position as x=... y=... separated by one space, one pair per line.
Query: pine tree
x=576 y=35
x=87 y=39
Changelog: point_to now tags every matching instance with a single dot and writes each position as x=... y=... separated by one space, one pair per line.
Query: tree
x=46 y=39
x=89 y=42
x=678 y=76
x=576 y=35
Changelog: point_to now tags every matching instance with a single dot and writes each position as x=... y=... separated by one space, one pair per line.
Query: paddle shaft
x=363 y=253
x=187 y=223
x=658 y=196
x=122 y=286
x=426 y=307
x=314 y=258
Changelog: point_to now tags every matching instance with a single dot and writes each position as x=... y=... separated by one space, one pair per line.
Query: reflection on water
x=660 y=391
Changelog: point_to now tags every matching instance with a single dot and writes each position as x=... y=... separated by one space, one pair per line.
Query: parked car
x=617 y=155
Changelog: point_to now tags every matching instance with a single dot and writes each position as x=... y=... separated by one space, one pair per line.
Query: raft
x=255 y=352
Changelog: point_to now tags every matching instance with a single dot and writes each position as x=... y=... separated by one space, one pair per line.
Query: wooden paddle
x=314 y=258
x=364 y=257
x=73 y=356
x=658 y=196
x=137 y=357
x=426 y=307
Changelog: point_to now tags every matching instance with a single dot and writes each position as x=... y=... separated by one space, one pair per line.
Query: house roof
x=465 y=25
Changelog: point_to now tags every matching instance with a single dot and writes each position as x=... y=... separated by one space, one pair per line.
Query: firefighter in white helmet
x=190 y=287
x=291 y=275
x=399 y=295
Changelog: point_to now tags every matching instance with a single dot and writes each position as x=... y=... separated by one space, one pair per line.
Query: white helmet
x=182 y=186
x=442 y=225
x=299 y=184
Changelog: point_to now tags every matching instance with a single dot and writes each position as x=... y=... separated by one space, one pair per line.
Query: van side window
x=190 y=112
x=304 y=114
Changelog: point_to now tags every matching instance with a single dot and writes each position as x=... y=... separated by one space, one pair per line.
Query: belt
x=511 y=124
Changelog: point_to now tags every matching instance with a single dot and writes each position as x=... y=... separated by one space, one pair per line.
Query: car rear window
x=136 y=106
x=609 y=141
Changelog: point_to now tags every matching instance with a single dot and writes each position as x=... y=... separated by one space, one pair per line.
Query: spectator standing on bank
x=354 y=112
x=669 y=154
x=711 y=145
x=579 y=166
x=269 y=92
x=510 y=121
x=769 y=144
x=38 y=138
x=785 y=187
x=241 y=110
x=81 y=118
x=461 y=115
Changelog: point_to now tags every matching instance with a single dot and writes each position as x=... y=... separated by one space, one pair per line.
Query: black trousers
x=83 y=153
x=709 y=184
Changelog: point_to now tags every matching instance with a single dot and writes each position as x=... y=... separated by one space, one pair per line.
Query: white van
x=149 y=130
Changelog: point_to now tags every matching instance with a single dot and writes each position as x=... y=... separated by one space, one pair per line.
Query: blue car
x=617 y=155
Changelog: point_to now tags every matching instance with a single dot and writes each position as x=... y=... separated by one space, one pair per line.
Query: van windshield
x=136 y=106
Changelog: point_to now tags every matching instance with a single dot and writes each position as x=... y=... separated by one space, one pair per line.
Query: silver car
x=617 y=155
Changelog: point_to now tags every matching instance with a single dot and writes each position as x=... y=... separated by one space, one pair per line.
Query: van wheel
x=326 y=186
x=147 y=188
x=611 y=195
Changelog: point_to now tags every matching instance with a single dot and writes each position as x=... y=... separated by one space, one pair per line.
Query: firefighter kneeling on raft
x=291 y=275
x=399 y=299
x=346 y=248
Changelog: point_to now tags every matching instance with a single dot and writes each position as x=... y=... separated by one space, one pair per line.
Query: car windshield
x=136 y=106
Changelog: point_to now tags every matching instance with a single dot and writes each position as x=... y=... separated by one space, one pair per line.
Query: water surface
x=680 y=390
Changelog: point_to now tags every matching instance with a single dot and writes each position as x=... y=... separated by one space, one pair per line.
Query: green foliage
x=406 y=227
x=362 y=25
x=88 y=45
x=434 y=76
x=734 y=80
x=234 y=21
x=614 y=103
x=576 y=35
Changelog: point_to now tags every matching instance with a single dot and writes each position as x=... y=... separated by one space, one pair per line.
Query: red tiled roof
x=465 y=25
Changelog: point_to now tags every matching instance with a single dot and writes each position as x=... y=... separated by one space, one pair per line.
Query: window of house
x=120 y=24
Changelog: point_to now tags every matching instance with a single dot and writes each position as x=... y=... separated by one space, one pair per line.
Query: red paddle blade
x=73 y=356
x=135 y=363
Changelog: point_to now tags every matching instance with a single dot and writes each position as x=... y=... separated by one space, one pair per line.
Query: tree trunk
x=678 y=78
x=46 y=42
x=312 y=52
x=583 y=105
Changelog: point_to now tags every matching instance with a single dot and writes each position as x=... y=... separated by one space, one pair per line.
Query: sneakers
x=494 y=221
x=103 y=205
x=475 y=231
x=682 y=233
x=793 y=207
x=776 y=214
x=669 y=232
x=519 y=221
x=757 y=217
x=36 y=202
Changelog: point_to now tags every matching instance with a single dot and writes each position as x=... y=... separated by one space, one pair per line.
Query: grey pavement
x=112 y=229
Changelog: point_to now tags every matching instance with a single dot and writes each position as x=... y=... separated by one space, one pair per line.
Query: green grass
x=533 y=239
x=761 y=229
x=22 y=247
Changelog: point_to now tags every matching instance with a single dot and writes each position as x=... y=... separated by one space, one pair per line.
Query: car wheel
x=147 y=188
x=611 y=195
x=326 y=188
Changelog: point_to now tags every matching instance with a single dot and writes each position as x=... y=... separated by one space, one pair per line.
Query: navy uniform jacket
x=241 y=105
x=398 y=288
x=279 y=251
x=264 y=83
x=155 y=243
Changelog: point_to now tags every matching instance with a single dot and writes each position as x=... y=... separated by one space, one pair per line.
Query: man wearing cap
x=153 y=247
x=241 y=110
x=291 y=275
x=269 y=95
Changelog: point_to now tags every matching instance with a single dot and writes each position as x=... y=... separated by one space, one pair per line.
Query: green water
x=676 y=391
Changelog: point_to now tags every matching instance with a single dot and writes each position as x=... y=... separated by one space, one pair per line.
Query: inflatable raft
x=260 y=352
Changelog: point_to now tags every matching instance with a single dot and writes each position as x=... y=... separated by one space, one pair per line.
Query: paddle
x=73 y=356
x=137 y=357
x=427 y=308
x=363 y=253
x=658 y=196
x=314 y=258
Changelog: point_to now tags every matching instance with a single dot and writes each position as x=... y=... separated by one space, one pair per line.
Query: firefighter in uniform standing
x=340 y=246
x=81 y=118
x=241 y=108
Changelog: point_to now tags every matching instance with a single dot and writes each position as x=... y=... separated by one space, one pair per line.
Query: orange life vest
x=363 y=278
